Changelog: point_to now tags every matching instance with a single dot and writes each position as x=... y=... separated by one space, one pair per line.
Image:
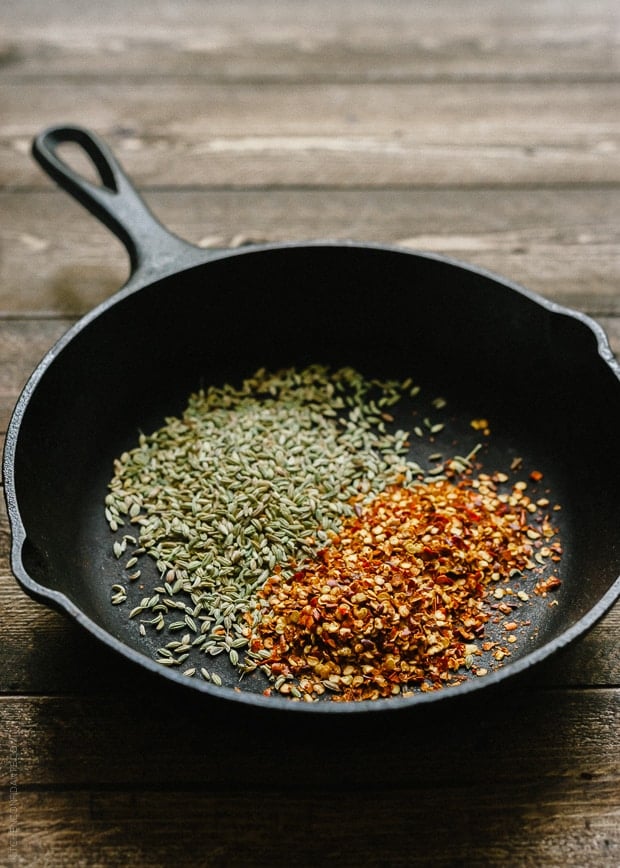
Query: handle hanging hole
x=81 y=159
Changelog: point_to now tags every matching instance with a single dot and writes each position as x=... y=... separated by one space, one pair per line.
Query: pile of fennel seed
x=248 y=480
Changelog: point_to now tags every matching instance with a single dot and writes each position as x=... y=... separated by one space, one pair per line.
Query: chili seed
x=346 y=619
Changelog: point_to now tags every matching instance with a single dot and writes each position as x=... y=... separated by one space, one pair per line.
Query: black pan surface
x=542 y=375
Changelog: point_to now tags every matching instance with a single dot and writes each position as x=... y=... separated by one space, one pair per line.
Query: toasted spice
x=550 y=584
x=249 y=478
x=397 y=599
x=293 y=532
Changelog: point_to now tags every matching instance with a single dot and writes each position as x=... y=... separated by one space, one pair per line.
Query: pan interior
x=490 y=351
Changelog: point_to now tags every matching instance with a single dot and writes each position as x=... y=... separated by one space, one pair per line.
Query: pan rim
x=62 y=602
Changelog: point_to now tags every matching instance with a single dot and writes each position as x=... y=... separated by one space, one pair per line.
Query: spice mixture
x=398 y=597
x=293 y=533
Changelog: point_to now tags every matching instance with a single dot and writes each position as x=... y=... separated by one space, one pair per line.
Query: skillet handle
x=153 y=250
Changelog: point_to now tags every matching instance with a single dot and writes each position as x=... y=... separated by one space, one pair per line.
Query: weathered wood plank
x=574 y=826
x=564 y=243
x=154 y=734
x=336 y=135
x=22 y=345
x=288 y=41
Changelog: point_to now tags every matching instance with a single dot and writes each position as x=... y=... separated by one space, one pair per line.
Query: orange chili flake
x=397 y=598
x=481 y=425
x=550 y=584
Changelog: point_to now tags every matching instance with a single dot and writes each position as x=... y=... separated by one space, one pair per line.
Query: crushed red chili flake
x=550 y=584
x=397 y=600
x=480 y=425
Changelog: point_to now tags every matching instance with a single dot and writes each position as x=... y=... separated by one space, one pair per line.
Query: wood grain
x=289 y=41
x=563 y=243
x=561 y=788
x=22 y=346
x=180 y=827
x=333 y=135
x=158 y=737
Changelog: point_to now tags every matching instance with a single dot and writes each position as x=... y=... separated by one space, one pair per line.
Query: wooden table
x=488 y=131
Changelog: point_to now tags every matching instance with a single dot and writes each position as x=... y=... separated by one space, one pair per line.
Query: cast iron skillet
x=543 y=376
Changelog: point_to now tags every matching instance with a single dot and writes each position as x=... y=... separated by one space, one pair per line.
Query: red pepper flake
x=481 y=425
x=545 y=585
x=392 y=603
x=536 y=476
